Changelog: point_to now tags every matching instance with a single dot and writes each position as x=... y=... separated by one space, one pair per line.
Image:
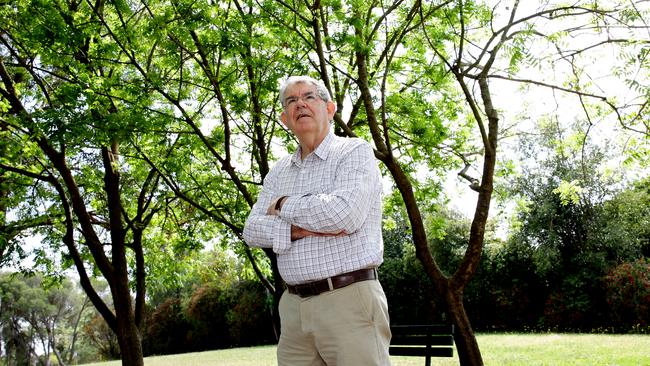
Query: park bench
x=436 y=340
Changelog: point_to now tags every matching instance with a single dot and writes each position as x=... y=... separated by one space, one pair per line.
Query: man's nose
x=300 y=102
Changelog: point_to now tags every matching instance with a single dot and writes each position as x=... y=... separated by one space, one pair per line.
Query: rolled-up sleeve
x=267 y=231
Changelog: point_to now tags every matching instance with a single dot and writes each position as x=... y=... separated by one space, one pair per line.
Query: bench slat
x=422 y=329
x=442 y=340
x=421 y=351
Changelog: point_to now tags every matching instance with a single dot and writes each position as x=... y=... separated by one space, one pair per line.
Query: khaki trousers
x=344 y=327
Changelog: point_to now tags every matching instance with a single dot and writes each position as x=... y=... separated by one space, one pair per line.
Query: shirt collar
x=322 y=151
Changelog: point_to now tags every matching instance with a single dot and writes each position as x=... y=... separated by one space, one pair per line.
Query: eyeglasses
x=308 y=98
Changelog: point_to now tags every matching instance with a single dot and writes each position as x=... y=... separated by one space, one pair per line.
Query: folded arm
x=276 y=221
x=345 y=208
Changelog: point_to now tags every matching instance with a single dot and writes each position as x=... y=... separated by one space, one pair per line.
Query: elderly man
x=320 y=211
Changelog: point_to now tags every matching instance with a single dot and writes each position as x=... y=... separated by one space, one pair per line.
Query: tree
x=36 y=315
x=195 y=59
x=627 y=218
x=70 y=138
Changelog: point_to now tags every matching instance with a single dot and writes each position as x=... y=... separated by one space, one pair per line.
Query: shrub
x=628 y=293
x=250 y=319
x=166 y=329
x=102 y=338
x=240 y=315
x=206 y=312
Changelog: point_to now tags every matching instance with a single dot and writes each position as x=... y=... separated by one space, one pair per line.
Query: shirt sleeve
x=357 y=185
x=267 y=231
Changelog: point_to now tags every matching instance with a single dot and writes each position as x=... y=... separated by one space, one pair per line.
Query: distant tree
x=179 y=279
x=626 y=219
x=574 y=223
x=16 y=340
x=35 y=315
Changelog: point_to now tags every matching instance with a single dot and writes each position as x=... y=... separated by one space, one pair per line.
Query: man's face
x=305 y=113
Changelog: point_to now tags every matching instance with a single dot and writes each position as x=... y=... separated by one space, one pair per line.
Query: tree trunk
x=469 y=353
x=130 y=344
x=276 y=291
x=126 y=316
x=128 y=334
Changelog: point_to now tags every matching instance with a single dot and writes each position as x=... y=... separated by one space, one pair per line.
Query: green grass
x=497 y=349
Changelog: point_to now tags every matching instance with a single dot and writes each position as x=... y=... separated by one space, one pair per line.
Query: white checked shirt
x=335 y=188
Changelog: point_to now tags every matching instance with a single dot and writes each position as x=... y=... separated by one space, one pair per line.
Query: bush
x=102 y=338
x=628 y=293
x=212 y=318
x=206 y=312
x=506 y=294
x=249 y=318
x=240 y=315
x=166 y=329
x=410 y=294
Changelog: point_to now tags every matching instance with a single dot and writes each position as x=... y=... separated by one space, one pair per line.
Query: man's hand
x=275 y=206
x=299 y=233
x=296 y=232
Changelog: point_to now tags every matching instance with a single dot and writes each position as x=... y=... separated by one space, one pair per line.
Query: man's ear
x=331 y=109
x=283 y=118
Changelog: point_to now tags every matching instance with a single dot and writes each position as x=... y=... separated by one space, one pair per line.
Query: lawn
x=497 y=349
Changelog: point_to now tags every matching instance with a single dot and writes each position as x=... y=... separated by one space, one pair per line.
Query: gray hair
x=321 y=89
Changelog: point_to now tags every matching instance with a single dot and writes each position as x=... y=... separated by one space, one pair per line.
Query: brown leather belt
x=332 y=283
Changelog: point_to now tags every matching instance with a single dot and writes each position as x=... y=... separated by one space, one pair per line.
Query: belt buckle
x=304 y=290
x=298 y=290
